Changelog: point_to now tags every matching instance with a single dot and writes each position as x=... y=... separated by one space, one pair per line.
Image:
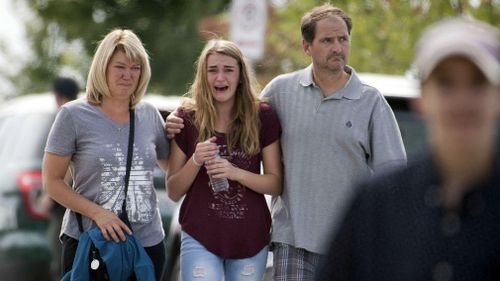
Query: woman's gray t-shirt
x=98 y=149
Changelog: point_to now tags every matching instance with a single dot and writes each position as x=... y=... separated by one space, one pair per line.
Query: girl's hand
x=205 y=151
x=222 y=168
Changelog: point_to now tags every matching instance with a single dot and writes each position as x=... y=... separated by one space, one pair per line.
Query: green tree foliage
x=67 y=31
x=383 y=36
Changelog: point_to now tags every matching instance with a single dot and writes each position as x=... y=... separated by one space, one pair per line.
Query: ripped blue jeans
x=197 y=264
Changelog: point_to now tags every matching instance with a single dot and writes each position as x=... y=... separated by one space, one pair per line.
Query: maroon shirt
x=232 y=224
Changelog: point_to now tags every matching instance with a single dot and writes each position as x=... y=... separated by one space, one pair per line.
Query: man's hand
x=173 y=125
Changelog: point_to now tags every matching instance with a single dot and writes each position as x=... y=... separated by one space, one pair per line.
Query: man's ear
x=417 y=105
x=306 y=46
x=498 y=103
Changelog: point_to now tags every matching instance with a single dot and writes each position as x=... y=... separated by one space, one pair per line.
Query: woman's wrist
x=238 y=174
x=196 y=162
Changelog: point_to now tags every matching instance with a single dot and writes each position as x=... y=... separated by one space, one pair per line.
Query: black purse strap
x=123 y=215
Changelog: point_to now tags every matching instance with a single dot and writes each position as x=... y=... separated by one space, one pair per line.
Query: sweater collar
x=351 y=90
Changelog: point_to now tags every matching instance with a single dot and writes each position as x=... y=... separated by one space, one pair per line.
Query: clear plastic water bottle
x=219 y=184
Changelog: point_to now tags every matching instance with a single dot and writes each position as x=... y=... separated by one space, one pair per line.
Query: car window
x=23 y=136
x=412 y=131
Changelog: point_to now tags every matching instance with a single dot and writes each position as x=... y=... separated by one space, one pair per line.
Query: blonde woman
x=91 y=137
x=224 y=233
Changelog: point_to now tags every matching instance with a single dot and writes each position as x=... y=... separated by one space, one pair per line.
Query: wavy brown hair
x=245 y=124
x=309 y=20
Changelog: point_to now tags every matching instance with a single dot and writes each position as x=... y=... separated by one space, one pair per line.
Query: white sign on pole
x=248 y=26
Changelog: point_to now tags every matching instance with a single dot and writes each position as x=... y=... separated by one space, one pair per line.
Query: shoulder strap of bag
x=123 y=214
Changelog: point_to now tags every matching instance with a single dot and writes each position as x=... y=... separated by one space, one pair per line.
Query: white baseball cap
x=477 y=41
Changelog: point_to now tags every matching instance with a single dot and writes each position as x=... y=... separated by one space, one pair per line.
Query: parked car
x=398 y=91
x=24 y=125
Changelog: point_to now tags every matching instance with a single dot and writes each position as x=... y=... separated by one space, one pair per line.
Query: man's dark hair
x=309 y=20
x=65 y=87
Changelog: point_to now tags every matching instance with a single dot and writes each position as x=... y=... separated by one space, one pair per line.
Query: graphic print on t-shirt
x=140 y=192
x=227 y=203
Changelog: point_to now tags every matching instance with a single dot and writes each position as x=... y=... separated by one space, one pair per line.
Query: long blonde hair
x=245 y=124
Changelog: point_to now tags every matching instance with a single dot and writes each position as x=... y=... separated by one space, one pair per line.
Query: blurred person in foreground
x=438 y=219
x=91 y=137
x=336 y=130
x=64 y=90
x=225 y=233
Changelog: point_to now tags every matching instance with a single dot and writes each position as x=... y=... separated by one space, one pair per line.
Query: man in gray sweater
x=336 y=130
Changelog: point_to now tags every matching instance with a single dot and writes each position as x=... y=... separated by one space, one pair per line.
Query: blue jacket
x=121 y=258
